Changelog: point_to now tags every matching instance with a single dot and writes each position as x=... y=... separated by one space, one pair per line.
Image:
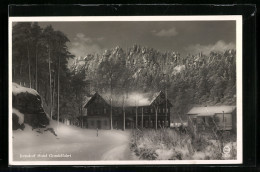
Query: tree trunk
x=53 y=92
x=136 y=117
x=58 y=91
x=49 y=54
x=124 y=119
x=156 y=108
x=36 y=68
x=111 y=119
x=124 y=113
x=29 y=66
x=20 y=72
x=142 y=118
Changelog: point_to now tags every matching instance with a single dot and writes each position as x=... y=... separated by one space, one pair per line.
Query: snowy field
x=71 y=143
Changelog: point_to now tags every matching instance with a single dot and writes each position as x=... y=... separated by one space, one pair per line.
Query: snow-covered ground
x=71 y=143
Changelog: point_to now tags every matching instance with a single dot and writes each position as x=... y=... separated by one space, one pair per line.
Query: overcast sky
x=182 y=36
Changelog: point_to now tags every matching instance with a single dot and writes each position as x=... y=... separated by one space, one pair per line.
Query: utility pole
x=124 y=112
x=142 y=117
x=224 y=125
x=156 y=108
x=136 y=117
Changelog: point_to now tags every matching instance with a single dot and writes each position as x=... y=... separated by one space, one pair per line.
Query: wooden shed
x=221 y=117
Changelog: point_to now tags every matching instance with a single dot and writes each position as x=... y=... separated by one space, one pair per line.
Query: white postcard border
x=239 y=79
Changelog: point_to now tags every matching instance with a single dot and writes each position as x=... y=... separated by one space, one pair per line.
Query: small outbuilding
x=221 y=117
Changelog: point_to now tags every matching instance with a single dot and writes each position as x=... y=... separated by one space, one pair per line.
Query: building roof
x=211 y=110
x=87 y=99
x=130 y=100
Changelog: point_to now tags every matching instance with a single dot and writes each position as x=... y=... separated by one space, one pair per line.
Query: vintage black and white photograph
x=125 y=90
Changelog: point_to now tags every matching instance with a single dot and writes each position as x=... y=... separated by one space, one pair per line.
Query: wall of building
x=98 y=122
x=98 y=114
x=234 y=121
x=224 y=121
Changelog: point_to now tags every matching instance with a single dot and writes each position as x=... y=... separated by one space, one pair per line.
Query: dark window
x=105 y=122
x=92 y=123
x=151 y=110
x=105 y=110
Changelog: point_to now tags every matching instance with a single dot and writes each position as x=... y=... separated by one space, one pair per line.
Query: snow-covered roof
x=211 y=110
x=17 y=89
x=86 y=101
x=130 y=100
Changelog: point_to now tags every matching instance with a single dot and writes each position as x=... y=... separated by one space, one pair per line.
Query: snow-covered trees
x=43 y=53
x=40 y=61
x=195 y=79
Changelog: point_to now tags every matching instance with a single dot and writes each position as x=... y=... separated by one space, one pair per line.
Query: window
x=105 y=123
x=151 y=110
x=167 y=110
x=159 y=110
x=146 y=110
x=92 y=123
x=163 y=110
x=105 y=110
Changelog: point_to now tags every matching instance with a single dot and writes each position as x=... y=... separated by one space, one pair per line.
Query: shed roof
x=211 y=110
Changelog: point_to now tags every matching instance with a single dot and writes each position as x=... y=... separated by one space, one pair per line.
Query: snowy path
x=79 y=144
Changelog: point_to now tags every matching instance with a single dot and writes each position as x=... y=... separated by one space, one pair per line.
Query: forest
x=40 y=60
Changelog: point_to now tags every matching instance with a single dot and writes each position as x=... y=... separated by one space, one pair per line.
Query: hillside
x=194 y=79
